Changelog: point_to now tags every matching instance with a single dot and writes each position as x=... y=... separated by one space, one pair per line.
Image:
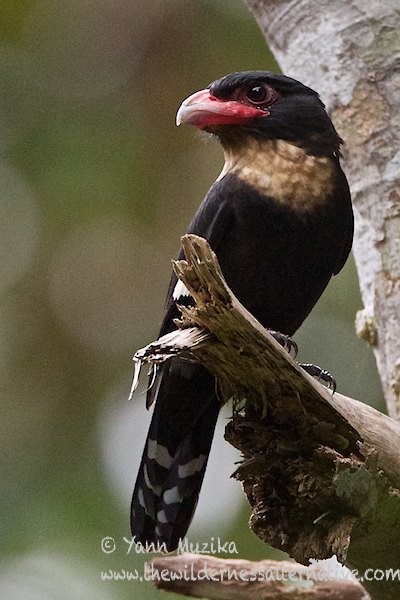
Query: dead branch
x=321 y=472
x=235 y=579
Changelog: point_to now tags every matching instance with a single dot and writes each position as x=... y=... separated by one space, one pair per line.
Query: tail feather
x=175 y=455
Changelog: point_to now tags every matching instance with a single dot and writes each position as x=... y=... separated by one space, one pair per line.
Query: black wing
x=212 y=221
x=342 y=196
x=185 y=414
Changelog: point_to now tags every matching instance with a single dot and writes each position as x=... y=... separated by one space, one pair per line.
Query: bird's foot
x=320 y=375
x=285 y=341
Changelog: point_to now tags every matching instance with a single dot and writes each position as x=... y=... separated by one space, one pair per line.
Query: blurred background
x=96 y=187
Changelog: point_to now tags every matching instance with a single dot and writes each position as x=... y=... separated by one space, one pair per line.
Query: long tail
x=175 y=454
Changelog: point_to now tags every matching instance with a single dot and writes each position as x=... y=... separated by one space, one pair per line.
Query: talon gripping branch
x=279 y=218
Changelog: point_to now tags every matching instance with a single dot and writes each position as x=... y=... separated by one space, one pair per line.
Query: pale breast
x=284 y=171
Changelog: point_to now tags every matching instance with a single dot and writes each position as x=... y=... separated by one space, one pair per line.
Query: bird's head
x=261 y=105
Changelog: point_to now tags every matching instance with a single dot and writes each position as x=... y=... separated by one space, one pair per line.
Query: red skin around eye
x=204 y=110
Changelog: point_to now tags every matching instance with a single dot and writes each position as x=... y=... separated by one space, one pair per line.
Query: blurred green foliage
x=97 y=186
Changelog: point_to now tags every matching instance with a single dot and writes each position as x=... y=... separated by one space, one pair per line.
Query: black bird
x=279 y=218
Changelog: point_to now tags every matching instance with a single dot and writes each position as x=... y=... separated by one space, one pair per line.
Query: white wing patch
x=180 y=291
x=172 y=496
x=162 y=517
x=155 y=489
x=141 y=499
x=191 y=467
x=159 y=453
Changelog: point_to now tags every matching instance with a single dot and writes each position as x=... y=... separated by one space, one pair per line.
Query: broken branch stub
x=317 y=469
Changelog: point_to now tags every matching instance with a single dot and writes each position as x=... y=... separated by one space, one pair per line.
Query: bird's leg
x=320 y=375
x=285 y=341
x=315 y=371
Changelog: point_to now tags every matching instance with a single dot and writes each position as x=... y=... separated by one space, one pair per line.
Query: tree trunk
x=349 y=51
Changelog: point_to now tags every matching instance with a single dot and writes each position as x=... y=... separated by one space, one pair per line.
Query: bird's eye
x=259 y=94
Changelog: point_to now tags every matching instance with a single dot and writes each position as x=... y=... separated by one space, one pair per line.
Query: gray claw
x=285 y=341
x=320 y=375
